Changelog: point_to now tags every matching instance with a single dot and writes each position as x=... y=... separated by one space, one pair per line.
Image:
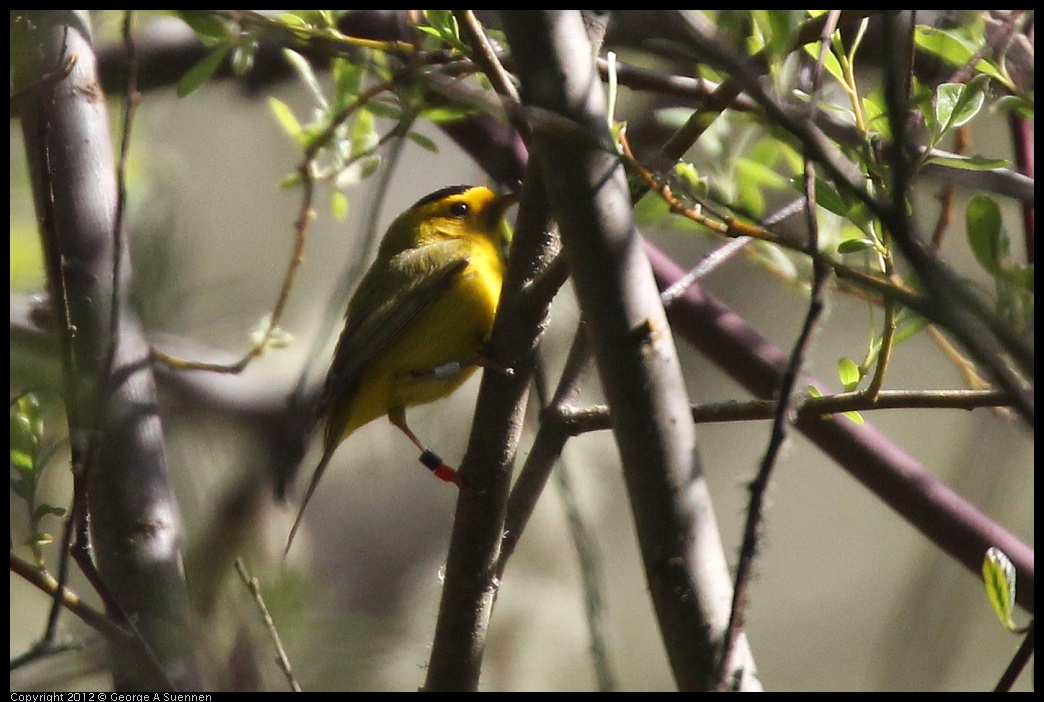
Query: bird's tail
x=328 y=453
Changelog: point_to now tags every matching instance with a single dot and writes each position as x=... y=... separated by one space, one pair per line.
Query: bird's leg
x=431 y=460
x=490 y=364
x=452 y=368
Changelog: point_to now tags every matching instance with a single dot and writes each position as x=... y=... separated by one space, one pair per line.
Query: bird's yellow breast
x=454 y=329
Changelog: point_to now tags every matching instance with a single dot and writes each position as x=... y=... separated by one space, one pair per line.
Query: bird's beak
x=505 y=201
x=503 y=230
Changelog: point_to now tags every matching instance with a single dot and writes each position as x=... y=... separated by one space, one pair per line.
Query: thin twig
x=485 y=54
x=46 y=583
x=788 y=382
x=1018 y=663
x=255 y=590
x=580 y=420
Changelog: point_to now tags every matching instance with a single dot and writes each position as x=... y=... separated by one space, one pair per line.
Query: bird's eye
x=459 y=209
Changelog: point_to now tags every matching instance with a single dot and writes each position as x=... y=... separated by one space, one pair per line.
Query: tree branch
x=684 y=561
x=114 y=426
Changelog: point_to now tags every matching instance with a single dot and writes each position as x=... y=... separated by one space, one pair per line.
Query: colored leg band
x=433 y=462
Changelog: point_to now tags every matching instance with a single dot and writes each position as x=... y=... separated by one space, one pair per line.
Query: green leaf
x=953 y=50
x=347 y=78
x=830 y=62
x=1015 y=105
x=444 y=115
x=998 y=577
x=826 y=195
x=848 y=371
x=364 y=133
x=208 y=28
x=202 y=71
x=423 y=142
x=957 y=103
x=308 y=19
x=750 y=170
x=856 y=245
x=943 y=44
x=392 y=111
x=875 y=115
x=755 y=174
x=29 y=407
x=832 y=200
x=332 y=17
x=854 y=417
x=304 y=69
x=293 y=20
x=339 y=205
x=945 y=98
x=370 y=164
x=908 y=323
x=25 y=437
x=22 y=460
x=986 y=234
x=969 y=163
x=775 y=30
x=444 y=26
x=833 y=66
x=441 y=20
x=285 y=116
x=291 y=180
x=243 y=56
x=690 y=176
x=26 y=433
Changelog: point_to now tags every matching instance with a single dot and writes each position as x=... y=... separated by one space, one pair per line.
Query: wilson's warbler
x=419 y=321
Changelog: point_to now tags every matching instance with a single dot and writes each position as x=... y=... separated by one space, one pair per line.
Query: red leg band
x=433 y=462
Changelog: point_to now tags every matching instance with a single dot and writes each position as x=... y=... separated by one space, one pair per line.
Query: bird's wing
x=389 y=300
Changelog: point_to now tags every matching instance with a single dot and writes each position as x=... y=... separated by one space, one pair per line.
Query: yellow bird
x=418 y=323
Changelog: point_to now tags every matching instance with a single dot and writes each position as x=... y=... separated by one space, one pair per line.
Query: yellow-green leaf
x=285 y=116
x=830 y=62
x=339 y=206
x=998 y=576
x=202 y=71
x=209 y=29
x=848 y=371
